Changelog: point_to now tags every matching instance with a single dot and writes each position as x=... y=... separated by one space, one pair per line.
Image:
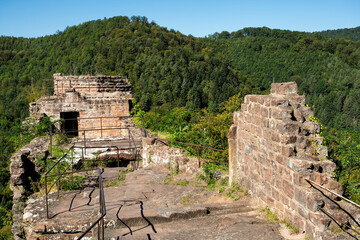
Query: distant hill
x=346 y=33
x=167 y=67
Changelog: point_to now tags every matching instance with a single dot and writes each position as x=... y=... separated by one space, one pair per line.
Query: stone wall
x=158 y=153
x=90 y=85
x=95 y=102
x=273 y=147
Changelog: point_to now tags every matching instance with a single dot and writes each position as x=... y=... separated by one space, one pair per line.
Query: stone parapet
x=273 y=148
x=90 y=85
x=157 y=153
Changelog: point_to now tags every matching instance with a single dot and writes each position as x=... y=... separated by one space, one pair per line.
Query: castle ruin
x=87 y=102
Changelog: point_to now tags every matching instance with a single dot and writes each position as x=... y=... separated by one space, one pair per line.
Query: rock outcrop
x=25 y=174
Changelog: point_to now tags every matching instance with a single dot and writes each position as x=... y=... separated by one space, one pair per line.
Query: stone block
x=314 y=201
x=299 y=178
x=327 y=166
x=288 y=139
x=287 y=175
x=275 y=194
x=284 y=200
x=287 y=88
x=288 y=189
x=300 y=196
x=298 y=165
x=288 y=151
x=275 y=137
x=288 y=128
x=334 y=186
x=232 y=132
x=264 y=112
x=319 y=220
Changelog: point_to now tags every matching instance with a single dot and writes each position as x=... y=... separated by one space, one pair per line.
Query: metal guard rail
x=100 y=220
x=146 y=133
x=312 y=183
x=194 y=145
x=328 y=190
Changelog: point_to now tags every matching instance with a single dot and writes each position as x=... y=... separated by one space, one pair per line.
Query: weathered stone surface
x=142 y=198
x=274 y=159
x=287 y=88
x=23 y=169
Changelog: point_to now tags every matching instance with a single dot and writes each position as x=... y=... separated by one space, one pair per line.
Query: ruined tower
x=86 y=102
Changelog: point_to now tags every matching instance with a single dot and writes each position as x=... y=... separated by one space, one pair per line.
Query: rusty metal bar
x=67 y=173
x=118 y=156
x=46 y=198
x=72 y=163
x=198 y=156
x=84 y=142
x=50 y=132
x=100 y=220
x=338 y=195
x=101 y=126
x=339 y=222
x=94 y=129
x=58 y=187
x=104 y=117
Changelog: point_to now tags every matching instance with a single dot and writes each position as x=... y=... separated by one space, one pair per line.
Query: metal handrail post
x=118 y=156
x=101 y=225
x=84 y=142
x=129 y=137
x=72 y=161
x=198 y=156
x=46 y=198
x=58 y=192
x=50 y=133
x=101 y=126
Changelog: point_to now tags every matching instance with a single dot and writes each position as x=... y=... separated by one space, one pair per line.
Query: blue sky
x=34 y=18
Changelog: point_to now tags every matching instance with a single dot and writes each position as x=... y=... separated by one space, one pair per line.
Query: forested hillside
x=346 y=33
x=179 y=79
x=326 y=70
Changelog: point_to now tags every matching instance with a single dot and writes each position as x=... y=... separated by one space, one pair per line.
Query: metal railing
x=198 y=147
x=337 y=221
x=100 y=220
x=54 y=131
x=336 y=194
x=61 y=173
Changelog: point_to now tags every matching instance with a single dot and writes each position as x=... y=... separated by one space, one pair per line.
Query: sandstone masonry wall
x=273 y=147
x=90 y=85
x=157 y=153
x=92 y=97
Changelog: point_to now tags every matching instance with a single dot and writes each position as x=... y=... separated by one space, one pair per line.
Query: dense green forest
x=184 y=85
x=345 y=33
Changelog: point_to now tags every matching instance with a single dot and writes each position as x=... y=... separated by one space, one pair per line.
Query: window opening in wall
x=70 y=124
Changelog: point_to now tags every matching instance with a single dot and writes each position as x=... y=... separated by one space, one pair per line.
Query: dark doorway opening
x=70 y=124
